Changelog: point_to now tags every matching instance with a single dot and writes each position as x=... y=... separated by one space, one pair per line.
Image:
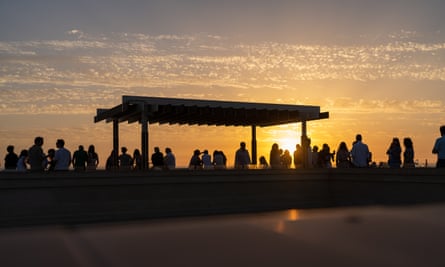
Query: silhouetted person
x=439 y=148
x=298 y=156
x=275 y=157
x=62 y=156
x=125 y=160
x=394 y=153
x=80 y=159
x=408 y=154
x=325 y=157
x=51 y=164
x=110 y=165
x=206 y=160
x=137 y=160
x=343 y=157
x=93 y=158
x=195 y=161
x=242 y=157
x=286 y=159
x=263 y=163
x=314 y=157
x=219 y=160
x=11 y=159
x=360 y=153
x=157 y=159
x=36 y=156
x=22 y=162
x=169 y=159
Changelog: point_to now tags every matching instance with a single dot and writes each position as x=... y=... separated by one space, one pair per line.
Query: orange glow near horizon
x=293 y=215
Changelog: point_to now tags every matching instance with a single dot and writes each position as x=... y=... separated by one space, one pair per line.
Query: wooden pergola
x=151 y=110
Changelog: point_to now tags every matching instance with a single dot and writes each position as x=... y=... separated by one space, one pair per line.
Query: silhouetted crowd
x=359 y=156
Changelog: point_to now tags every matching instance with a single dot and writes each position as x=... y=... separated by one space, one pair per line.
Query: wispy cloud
x=82 y=70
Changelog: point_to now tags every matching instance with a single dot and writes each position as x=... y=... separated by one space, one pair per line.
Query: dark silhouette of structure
x=149 y=110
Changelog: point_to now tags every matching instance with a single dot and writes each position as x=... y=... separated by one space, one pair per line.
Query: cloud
x=383 y=106
x=54 y=75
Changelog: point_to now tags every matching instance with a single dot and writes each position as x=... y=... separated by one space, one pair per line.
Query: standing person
x=360 y=153
x=93 y=158
x=408 y=154
x=343 y=157
x=80 y=159
x=170 y=159
x=394 y=154
x=62 y=156
x=298 y=156
x=11 y=159
x=23 y=159
x=314 y=157
x=137 y=160
x=157 y=159
x=195 y=161
x=36 y=156
x=110 y=165
x=242 y=157
x=439 y=148
x=206 y=160
x=325 y=156
x=275 y=157
x=125 y=160
x=286 y=159
x=219 y=160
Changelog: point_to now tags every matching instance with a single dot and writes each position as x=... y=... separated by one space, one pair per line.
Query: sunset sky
x=377 y=66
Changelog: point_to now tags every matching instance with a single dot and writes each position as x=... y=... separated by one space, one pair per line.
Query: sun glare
x=288 y=143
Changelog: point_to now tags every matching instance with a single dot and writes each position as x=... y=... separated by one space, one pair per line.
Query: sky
x=378 y=68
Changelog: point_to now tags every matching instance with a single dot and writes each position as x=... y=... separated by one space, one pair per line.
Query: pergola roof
x=205 y=112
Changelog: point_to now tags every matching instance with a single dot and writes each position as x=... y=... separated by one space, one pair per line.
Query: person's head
x=343 y=146
x=442 y=130
x=157 y=149
x=196 y=152
x=124 y=150
x=168 y=150
x=408 y=142
x=24 y=153
x=358 y=137
x=396 y=141
x=10 y=149
x=81 y=148
x=275 y=146
x=136 y=152
x=51 y=152
x=91 y=149
x=38 y=140
x=206 y=151
x=242 y=145
x=60 y=143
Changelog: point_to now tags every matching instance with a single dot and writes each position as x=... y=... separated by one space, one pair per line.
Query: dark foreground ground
x=72 y=197
x=377 y=217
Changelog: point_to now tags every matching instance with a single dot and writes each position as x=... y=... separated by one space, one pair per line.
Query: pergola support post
x=304 y=144
x=115 y=143
x=144 y=137
x=254 y=145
